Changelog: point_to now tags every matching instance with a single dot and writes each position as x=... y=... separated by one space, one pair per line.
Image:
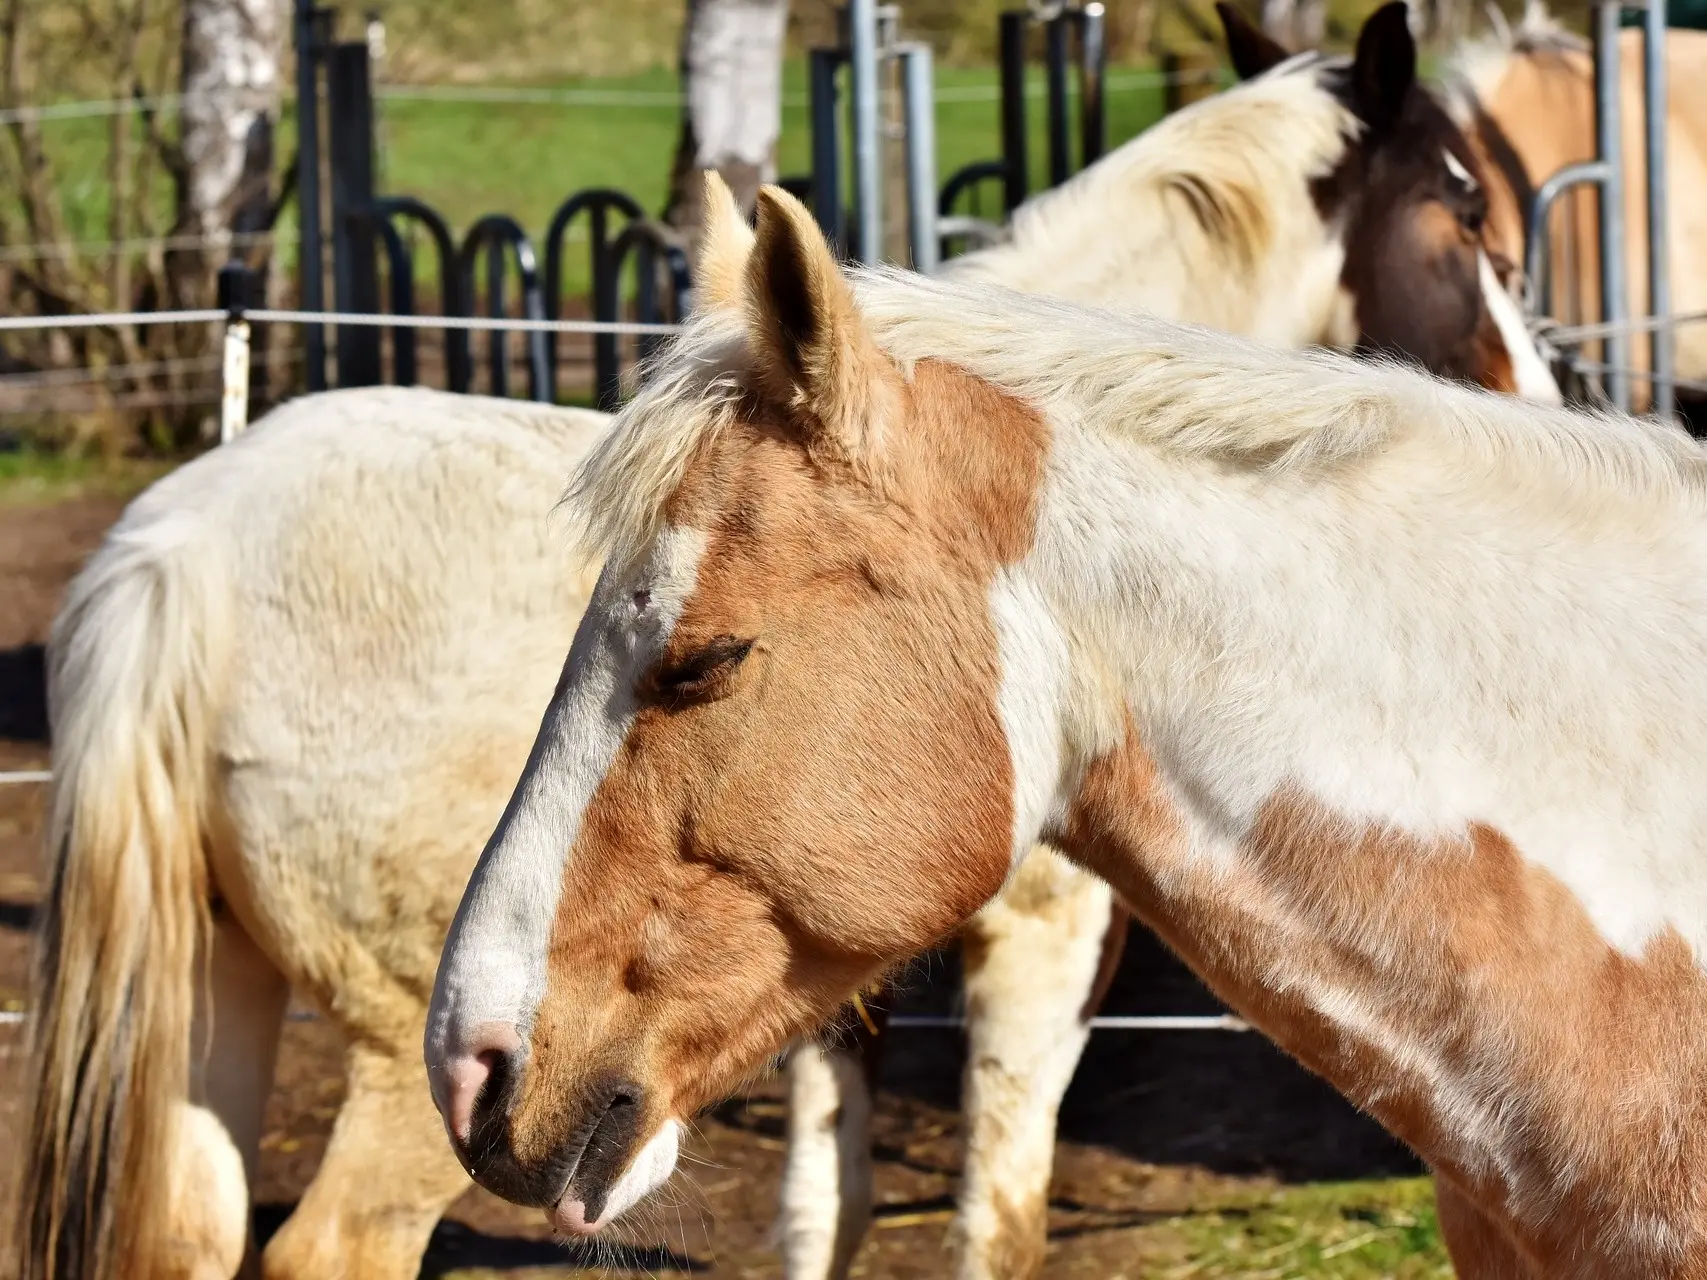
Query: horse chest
x=1457 y=992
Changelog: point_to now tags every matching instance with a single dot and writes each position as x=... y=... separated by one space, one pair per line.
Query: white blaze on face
x=1534 y=379
x=493 y=970
x=1456 y=168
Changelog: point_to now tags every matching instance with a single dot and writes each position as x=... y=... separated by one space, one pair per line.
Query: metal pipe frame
x=458 y=362
x=1614 y=297
x=1661 y=349
x=1537 y=260
x=600 y=204
x=1016 y=181
x=1093 y=69
x=400 y=270
x=827 y=204
x=919 y=102
x=494 y=233
x=865 y=108
x=1055 y=34
x=355 y=269
x=307 y=23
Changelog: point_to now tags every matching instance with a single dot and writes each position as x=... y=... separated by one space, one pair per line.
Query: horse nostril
x=475 y=1079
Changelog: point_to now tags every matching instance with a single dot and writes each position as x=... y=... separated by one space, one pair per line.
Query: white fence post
x=234 y=399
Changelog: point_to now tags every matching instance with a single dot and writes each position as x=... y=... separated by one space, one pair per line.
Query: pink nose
x=465 y=1075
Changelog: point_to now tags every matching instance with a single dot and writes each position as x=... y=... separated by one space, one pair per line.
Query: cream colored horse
x=292 y=689
x=1381 y=700
x=1534 y=83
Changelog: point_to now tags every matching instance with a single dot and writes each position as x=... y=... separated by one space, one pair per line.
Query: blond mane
x=1184 y=391
x=1211 y=181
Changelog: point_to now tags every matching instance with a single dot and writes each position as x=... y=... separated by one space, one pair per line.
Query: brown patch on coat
x=721 y=900
x=1458 y=993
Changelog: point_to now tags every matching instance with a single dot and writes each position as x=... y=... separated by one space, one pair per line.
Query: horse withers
x=1172 y=602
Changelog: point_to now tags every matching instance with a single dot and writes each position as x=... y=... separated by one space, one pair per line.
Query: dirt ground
x=1158 y=1126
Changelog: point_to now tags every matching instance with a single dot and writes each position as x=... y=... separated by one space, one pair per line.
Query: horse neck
x=1399 y=763
x=1263 y=636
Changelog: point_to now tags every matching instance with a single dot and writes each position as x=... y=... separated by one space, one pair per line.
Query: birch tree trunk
x=1297 y=24
x=732 y=102
x=231 y=79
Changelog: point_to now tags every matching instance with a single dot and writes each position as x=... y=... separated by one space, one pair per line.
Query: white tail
x=134 y=665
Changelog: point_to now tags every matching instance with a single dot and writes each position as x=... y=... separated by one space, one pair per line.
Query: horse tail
x=135 y=661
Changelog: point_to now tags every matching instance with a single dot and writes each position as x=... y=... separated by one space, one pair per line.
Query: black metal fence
x=364 y=229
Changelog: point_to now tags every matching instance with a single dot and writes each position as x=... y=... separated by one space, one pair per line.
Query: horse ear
x=811 y=349
x=725 y=244
x=1385 y=67
x=1251 y=49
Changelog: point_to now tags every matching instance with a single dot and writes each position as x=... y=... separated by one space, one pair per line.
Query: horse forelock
x=617 y=497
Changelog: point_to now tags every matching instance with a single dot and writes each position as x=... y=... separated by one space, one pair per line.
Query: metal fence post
x=308 y=23
x=355 y=266
x=1614 y=302
x=827 y=148
x=920 y=102
x=1016 y=180
x=866 y=130
x=1660 y=350
x=234 y=298
x=1093 y=68
x=1055 y=33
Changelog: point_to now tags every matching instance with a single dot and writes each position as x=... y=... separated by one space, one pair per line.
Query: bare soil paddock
x=1169 y=1139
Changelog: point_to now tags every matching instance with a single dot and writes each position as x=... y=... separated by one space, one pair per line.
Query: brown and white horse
x=1525 y=98
x=294 y=687
x=1420 y=274
x=1379 y=699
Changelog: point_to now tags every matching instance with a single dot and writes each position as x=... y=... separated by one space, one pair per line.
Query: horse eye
x=701 y=671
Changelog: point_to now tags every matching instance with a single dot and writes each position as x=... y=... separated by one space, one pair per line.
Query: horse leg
x=827 y=1178
x=216 y=1134
x=1479 y=1249
x=1036 y=959
x=387 y=1177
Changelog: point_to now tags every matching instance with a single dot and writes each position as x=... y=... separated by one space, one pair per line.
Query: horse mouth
x=598 y=1160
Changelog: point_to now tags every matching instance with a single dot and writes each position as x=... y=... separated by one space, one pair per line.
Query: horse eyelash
x=721 y=653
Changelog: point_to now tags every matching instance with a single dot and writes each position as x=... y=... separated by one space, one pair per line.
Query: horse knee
x=208 y=1203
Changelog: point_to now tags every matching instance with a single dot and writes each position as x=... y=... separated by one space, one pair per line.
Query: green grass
x=1378 y=1230
x=1325 y=1231
x=34 y=477
x=467 y=159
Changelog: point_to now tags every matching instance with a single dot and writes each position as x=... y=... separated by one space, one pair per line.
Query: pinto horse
x=293 y=689
x=1379 y=699
x=1418 y=276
